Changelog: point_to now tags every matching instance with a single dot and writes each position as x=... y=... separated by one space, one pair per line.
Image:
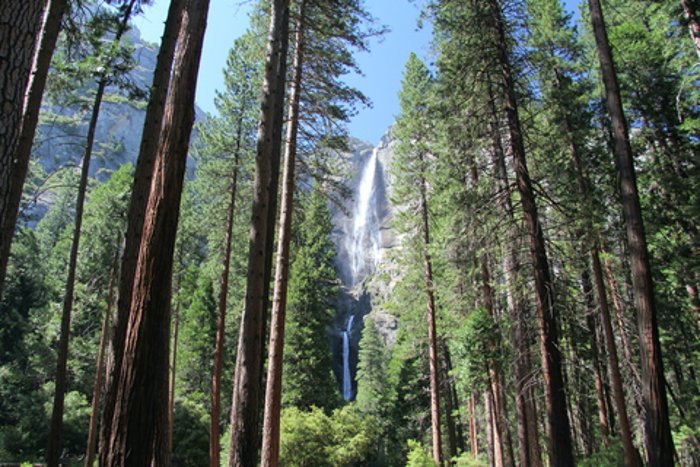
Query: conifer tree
x=414 y=133
x=659 y=443
x=139 y=421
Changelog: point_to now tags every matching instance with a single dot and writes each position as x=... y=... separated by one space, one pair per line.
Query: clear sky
x=382 y=67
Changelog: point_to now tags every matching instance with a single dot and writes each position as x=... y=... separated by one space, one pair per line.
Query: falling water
x=362 y=248
x=347 y=379
x=362 y=242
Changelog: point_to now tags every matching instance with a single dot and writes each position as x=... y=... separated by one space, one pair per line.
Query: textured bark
x=432 y=332
x=140 y=418
x=273 y=390
x=690 y=11
x=245 y=407
x=561 y=450
x=529 y=450
x=631 y=455
x=452 y=444
x=140 y=193
x=100 y=368
x=21 y=99
x=658 y=440
x=595 y=357
x=215 y=415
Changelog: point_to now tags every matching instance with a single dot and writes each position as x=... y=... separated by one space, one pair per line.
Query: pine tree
x=308 y=379
x=139 y=433
x=413 y=131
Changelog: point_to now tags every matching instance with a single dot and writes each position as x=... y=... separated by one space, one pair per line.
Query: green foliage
x=418 y=455
x=313 y=438
x=466 y=459
x=473 y=348
x=313 y=285
x=612 y=456
x=190 y=433
x=372 y=379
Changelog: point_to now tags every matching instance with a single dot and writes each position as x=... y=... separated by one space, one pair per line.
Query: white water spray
x=362 y=243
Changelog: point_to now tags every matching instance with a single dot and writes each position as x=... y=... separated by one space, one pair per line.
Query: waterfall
x=362 y=243
x=347 y=378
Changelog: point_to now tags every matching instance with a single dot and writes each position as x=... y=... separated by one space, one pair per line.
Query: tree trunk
x=450 y=425
x=100 y=367
x=173 y=368
x=21 y=100
x=140 y=192
x=473 y=433
x=529 y=451
x=273 y=390
x=658 y=438
x=561 y=451
x=431 y=311
x=140 y=418
x=631 y=454
x=246 y=387
x=214 y=444
x=54 y=448
x=587 y=289
x=53 y=451
x=690 y=12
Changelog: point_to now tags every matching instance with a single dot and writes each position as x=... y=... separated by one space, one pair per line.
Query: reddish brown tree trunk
x=473 y=433
x=100 y=368
x=587 y=289
x=273 y=390
x=140 y=193
x=431 y=312
x=17 y=142
x=214 y=432
x=247 y=381
x=140 y=418
x=54 y=448
x=561 y=450
x=658 y=440
x=631 y=454
x=529 y=450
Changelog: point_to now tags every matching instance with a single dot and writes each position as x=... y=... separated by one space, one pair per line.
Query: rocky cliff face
x=364 y=237
x=61 y=134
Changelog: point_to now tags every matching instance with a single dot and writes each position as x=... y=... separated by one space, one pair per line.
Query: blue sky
x=382 y=67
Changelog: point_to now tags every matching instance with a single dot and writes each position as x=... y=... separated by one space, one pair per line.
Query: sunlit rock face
x=363 y=237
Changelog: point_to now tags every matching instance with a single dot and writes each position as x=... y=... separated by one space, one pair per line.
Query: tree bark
x=17 y=142
x=214 y=444
x=140 y=418
x=473 y=434
x=561 y=450
x=529 y=450
x=587 y=289
x=53 y=451
x=100 y=367
x=658 y=440
x=273 y=390
x=247 y=380
x=140 y=192
x=431 y=311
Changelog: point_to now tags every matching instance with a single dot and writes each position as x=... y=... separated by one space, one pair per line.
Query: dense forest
x=511 y=278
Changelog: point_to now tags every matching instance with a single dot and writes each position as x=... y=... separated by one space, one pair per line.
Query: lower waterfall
x=347 y=377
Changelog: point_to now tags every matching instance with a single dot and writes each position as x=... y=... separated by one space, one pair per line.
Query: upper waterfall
x=362 y=243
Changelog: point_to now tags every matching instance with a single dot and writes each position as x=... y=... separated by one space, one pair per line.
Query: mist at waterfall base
x=358 y=243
